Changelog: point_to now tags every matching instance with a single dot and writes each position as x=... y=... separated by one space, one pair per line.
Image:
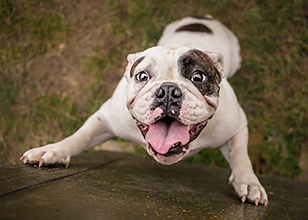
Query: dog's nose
x=168 y=93
x=168 y=97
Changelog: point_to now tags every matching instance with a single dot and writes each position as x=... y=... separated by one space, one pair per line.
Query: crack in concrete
x=62 y=177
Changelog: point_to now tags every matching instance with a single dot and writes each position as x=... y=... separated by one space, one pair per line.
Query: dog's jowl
x=174 y=100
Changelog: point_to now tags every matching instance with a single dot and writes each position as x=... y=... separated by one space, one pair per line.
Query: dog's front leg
x=243 y=178
x=93 y=132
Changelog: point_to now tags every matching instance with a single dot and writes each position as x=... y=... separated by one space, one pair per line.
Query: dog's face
x=172 y=93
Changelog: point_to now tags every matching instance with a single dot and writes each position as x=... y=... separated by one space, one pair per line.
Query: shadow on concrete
x=106 y=185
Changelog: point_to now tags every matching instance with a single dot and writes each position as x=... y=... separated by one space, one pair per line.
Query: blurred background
x=60 y=60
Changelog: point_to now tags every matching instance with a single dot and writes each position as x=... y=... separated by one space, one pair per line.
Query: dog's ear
x=131 y=58
x=218 y=60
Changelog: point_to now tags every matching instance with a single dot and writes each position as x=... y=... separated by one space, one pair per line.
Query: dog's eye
x=198 y=76
x=142 y=76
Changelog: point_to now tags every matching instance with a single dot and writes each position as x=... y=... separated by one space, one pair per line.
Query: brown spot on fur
x=135 y=65
x=196 y=60
x=196 y=27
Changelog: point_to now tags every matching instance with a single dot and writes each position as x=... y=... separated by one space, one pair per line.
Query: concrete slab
x=106 y=185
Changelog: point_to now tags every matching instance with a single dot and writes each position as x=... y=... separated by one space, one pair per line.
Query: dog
x=174 y=100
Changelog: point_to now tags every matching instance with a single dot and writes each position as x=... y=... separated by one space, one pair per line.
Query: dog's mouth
x=168 y=140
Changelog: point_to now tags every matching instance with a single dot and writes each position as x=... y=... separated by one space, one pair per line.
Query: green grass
x=272 y=85
x=28 y=31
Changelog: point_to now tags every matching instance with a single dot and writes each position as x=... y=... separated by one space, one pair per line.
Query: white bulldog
x=174 y=100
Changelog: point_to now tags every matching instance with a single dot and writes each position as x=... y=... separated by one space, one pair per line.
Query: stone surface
x=106 y=185
x=117 y=146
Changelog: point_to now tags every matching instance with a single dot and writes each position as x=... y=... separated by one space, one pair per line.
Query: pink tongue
x=161 y=137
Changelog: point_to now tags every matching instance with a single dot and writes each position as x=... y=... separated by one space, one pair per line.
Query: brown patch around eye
x=196 y=27
x=135 y=65
x=195 y=60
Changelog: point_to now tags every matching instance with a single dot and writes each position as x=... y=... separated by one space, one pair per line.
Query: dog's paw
x=46 y=156
x=248 y=187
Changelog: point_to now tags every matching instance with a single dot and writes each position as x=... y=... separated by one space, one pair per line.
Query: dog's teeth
x=176 y=144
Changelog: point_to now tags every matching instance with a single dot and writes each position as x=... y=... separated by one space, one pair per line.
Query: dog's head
x=172 y=93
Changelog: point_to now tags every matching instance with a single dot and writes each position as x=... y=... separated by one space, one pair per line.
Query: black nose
x=168 y=92
x=169 y=98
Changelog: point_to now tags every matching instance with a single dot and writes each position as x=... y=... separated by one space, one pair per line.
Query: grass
x=277 y=84
x=29 y=31
x=272 y=85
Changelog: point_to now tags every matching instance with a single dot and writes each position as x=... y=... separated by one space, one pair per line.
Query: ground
x=59 y=60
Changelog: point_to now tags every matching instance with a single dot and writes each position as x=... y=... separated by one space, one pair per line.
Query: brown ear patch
x=135 y=65
x=196 y=27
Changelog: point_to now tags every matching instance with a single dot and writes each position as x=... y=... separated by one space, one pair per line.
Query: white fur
x=226 y=130
x=221 y=41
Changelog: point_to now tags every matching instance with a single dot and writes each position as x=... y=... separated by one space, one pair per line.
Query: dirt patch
x=61 y=70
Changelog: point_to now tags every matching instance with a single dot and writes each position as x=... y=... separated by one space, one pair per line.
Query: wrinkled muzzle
x=168 y=139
